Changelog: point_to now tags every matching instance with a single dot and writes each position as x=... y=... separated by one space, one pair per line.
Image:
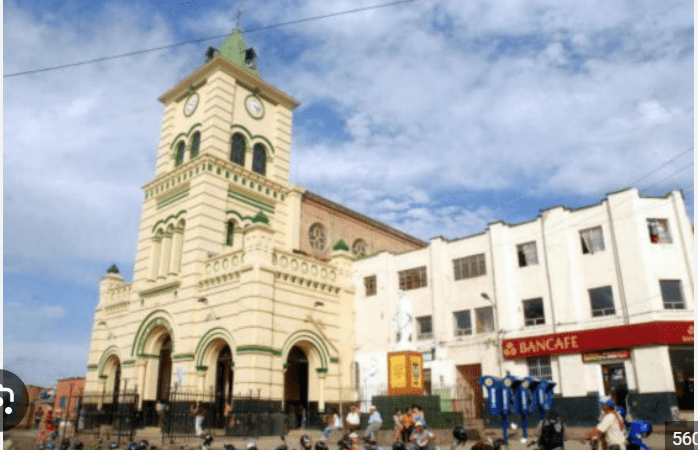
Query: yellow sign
x=405 y=373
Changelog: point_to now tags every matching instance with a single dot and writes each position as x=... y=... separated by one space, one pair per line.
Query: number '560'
x=685 y=438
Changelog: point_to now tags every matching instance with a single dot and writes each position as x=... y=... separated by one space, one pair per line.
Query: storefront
x=620 y=361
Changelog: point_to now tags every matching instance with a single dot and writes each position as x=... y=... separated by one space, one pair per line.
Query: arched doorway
x=112 y=384
x=224 y=385
x=296 y=383
x=164 y=370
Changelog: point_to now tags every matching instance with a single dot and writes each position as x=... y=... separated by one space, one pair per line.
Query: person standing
x=397 y=424
x=407 y=425
x=611 y=427
x=375 y=422
x=199 y=419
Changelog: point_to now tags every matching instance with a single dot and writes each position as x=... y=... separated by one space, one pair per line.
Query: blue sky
x=435 y=116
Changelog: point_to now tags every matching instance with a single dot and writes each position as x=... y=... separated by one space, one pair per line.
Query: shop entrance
x=682 y=367
x=468 y=391
x=615 y=383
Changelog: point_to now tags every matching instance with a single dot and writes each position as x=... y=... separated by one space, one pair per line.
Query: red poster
x=623 y=336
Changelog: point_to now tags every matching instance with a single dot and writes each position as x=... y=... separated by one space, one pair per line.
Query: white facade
x=559 y=273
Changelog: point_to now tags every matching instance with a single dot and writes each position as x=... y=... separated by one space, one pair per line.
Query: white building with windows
x=598 y=299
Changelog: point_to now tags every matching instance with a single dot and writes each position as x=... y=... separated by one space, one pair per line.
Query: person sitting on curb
x=375 y=422
x=421 y=437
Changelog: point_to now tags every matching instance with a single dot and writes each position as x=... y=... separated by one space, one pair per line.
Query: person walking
x=375 y=422
x=610 y=428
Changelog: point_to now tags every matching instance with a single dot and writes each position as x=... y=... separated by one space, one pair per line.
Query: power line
x=194 y=41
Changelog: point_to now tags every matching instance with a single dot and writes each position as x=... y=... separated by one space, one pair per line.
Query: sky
x=436 y=117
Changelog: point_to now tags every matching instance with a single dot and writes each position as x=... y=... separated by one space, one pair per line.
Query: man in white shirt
x=611 y=426
x=353 y=419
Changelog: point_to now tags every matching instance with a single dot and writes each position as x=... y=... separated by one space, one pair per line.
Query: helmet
x=51 y=446
x=251 y=445
x=113 y=445
x=459 y=434
x=320 y=445
x=607 y=402
x=642 y=427
x=398 y=445
x=142 y=445
x=306 y=442
x=208 y=439
x=499 y=444
x=131 y=446
x=77 y=445
x=65 y=444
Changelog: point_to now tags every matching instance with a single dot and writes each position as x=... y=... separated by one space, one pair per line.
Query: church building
x=242 y=286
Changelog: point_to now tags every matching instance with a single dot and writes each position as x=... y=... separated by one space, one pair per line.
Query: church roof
x=233 y=49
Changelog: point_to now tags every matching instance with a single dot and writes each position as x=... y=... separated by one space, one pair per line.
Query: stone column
x=176 y=258
x=321 y=391
x=155 y=256
x=166 y=253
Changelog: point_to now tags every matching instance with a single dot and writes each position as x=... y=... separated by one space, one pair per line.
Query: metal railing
x=107 y=415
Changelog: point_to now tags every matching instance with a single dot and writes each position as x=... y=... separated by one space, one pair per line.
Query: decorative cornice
x=161 y=289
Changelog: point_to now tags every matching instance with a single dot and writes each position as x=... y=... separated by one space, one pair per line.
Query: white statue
x=403 y=322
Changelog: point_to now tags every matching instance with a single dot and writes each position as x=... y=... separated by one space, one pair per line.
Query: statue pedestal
x=405 y=375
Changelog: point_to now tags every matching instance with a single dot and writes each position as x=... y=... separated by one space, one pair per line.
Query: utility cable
x=195 y=41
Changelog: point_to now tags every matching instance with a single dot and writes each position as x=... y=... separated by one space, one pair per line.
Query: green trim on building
x=92 y=367
x=334 y=360
x=172 y=199
x=250 y=201
x=257 y=349
x=251 y=137
x=147 y=325
x=130 y=362
x=183 y=357
x=166 y=219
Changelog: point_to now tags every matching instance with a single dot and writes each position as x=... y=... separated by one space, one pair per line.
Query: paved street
x=26 y=440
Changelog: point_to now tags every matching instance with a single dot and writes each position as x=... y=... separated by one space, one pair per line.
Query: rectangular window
x=424 y=326
x=602 y=301
x=527 y=253
x=592 y=240
x=370 y=285
x=463 y=325
x=484 y=320
x=413 y=278
x=659 y=231
x=533 y=312
x=469 y=267
x=63 y=402
x=672 y=294
x=540 y=367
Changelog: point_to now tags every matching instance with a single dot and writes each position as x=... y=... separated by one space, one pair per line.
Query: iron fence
x=107 y=415
x=236 y=416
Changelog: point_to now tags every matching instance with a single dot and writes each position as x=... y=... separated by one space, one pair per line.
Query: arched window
x=179 y=153
x=237 y=149
x=359 y=247
x=317 y=238
x=259 y=159
x=229 y=232
x=195 y=143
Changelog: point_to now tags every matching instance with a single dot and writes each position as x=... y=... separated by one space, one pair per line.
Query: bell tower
x=223 y=159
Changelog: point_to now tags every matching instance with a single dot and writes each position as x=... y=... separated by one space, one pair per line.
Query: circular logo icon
x=507 y=382
x=489 y=382
x=14 y=399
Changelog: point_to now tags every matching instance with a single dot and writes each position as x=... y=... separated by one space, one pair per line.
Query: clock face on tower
x=191 y=104
x=254 y=107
